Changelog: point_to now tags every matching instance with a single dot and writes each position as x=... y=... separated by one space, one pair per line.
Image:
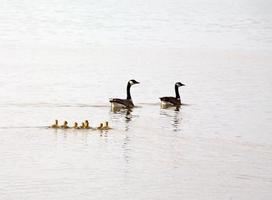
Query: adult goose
x=172 y=101
x=124 y=103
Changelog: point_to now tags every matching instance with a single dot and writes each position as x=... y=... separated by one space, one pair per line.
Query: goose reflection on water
x=119 y=114
x=174 y=114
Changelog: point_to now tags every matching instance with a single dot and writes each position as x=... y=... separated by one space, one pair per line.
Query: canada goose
x=172 y=101
x=56 y=125
x=65 y=125
x=124 y=103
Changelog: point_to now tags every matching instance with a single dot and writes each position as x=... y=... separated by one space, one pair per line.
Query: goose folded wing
x=171 y=100
x=124 y=102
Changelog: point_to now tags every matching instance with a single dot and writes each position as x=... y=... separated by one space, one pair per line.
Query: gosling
x=86 y=124
x=65 y=125
x=82 y=125
x=76 y=125
x=100 y=126
x=56 y=125
x=106 y=126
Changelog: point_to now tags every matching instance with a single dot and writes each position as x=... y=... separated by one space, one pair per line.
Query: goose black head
x=133 y=82
x=179 y=84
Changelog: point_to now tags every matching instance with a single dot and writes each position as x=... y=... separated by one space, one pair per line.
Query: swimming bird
x=76 y=125
x=124 y=103
x=56 y=125
x=82 y=125
x=86 y=124
x=172 y=101
x=105 y=126
x=65 y=125
x=100 y=126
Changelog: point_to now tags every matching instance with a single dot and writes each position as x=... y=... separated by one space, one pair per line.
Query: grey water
x=62 y=59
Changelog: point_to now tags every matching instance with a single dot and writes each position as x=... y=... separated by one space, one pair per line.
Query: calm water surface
x=64 y=60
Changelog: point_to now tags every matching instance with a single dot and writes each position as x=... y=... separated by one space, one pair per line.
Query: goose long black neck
x=177 y=92
x=128 y=91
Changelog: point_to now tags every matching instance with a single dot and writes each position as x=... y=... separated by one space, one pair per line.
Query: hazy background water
x=64 y=59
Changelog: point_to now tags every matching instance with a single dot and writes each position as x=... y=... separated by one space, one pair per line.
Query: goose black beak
x=137 y=82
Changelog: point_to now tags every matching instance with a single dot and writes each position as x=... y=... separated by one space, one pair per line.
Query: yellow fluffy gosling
x=56 y=125
x=106 y=126
x=86 y=124
x=82 y=125
x=76 y=125
x=100 y=126
x=65 y=125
